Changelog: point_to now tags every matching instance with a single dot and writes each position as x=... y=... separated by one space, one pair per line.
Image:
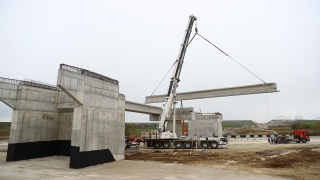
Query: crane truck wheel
x=187 y=145
x=156 y=145
x=298 y=141
x=205 y=145
x=214 y=145
x=178 y=145
x=166 y=145
x=304 y=141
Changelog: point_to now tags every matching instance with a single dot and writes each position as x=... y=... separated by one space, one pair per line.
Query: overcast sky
x=136 y=42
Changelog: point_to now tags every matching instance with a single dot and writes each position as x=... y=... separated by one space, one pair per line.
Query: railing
x=88 y=73
x=28 y=82
x=9 y=81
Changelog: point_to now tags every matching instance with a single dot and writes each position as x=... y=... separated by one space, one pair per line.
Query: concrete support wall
x=85 y=119
x=35 y=121
x=205 y=126
x=98 y=119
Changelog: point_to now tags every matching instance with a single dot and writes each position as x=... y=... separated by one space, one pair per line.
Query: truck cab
x=301 y=135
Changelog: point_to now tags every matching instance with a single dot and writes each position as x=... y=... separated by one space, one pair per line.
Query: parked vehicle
x=299 y=135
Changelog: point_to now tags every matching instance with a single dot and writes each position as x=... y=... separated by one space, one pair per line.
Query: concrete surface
x=56 y=167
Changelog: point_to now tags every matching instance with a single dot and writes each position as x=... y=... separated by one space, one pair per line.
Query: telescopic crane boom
x=174 y=84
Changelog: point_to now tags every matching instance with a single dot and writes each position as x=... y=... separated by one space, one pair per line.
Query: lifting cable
x=163 y=78
x=196 y=29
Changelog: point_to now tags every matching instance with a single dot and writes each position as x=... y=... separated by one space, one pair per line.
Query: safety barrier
x=256 y=136
x=250 y=136
x=28 y=82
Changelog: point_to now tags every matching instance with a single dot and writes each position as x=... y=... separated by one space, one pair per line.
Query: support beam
x=214 y=93
x=142 y=108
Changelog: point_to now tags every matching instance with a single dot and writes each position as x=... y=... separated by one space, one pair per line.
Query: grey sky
x=136 y=42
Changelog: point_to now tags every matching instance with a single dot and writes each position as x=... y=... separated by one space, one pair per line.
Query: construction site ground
x=292 y=161
x=242 y=159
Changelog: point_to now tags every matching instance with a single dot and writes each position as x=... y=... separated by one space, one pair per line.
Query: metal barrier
x=250 y=136
x=28 y=82
x=257 y=136
x=9 y=81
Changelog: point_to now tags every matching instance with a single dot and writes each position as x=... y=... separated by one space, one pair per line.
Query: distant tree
x=296 y=125
x=316 y=126
x=130 y=129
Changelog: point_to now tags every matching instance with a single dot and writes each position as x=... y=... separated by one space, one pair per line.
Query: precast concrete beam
x=142 y=108
x=181 y=114
x=214 y=93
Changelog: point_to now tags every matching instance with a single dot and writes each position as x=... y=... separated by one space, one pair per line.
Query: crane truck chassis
x=211 y=142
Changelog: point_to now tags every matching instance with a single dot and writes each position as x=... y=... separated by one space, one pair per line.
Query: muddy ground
x=293 y=161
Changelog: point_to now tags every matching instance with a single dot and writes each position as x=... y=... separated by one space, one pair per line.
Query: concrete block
x=32 y=127
x=38 y=125
x=74 y=84
x=5 y=94
x=92 y=90
x=73 y=138
x=25 y=137
x=42 y=98
x=90 y=127
x=83 y=143
x=66 y=82
x=28 y=106
x=88 y=142
x=31 y=136
x=112 y=94
x=94 y=82
x=19 y=127
x=37 y=136
x=110 y=143
x=87 y=89
x=97 y=142
x=55 y=136
x=20 y=117
x=49 y=136
x=78 y=139
x=13 y=94
x=18 y=137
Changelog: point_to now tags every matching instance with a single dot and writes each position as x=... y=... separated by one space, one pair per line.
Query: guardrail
x=257 y=136
x=28 y=82
x=9 y=81
x=88 y=73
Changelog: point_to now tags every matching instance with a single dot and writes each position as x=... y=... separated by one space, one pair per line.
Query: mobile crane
x=164 y=133
x=168 y=137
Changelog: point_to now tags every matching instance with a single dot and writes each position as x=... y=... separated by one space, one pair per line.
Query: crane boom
x=174 y=83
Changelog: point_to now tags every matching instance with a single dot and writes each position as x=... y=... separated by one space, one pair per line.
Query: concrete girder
x=142 y=108
x=214 y=93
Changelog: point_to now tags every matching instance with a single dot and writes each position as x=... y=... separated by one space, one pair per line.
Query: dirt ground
x=247 y=160
x=293 y=161
x=4 y=134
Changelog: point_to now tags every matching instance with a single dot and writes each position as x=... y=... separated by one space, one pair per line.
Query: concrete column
x=97 y=134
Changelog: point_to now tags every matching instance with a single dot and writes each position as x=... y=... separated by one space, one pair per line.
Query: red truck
x=299 y=135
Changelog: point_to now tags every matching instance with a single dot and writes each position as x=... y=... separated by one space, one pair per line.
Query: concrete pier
x=83 y=118
x=205 y=125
